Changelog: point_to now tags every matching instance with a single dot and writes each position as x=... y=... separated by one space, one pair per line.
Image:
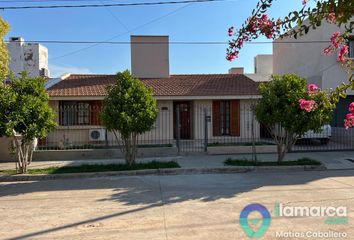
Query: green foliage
x=308 y=19
x=129 y=107
x=299 y=162
x=24 y=108
x=280 y=105
x=98 y=168
x=4 y=54
x=279 y=110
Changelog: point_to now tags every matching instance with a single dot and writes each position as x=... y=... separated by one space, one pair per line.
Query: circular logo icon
x=245 y=225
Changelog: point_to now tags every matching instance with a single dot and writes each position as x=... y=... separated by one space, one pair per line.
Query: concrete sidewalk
x=332 y=160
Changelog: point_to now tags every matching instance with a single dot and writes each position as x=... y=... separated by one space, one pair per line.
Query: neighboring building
x=30 y=57
x=263 y=64
x=304 y=56
x=226 y=98
x=263 y=68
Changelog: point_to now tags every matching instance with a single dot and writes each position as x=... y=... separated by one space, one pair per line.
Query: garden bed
x=241 y=148
x=97 y=146
x=223 y=144
x=105 y=153
x=87 y=168
x=299 y=162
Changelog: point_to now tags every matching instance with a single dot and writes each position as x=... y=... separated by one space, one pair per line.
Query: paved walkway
x=332 y=160
x=181 y=207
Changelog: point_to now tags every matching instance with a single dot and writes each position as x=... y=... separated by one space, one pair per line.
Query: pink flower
x=331 y=18
x=349 y=120
x=343 y=52
x=327 y=51
x=239 y=43
x=307 y=105
x=312 y=89
x=304 y=2
x=351 y=107
x=335 y=39
x=231 y=55
x=230 y=31
x=264 y=18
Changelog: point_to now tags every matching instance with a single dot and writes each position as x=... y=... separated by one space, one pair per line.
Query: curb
x=165 y=171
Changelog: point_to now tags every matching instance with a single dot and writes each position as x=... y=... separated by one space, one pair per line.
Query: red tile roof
x=175 y=85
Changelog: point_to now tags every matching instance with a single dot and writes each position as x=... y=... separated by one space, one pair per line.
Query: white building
x=30 y=57
x=263 y=68
x=304 y=56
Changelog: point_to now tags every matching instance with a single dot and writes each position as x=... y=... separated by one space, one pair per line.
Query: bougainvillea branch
x=299 y=23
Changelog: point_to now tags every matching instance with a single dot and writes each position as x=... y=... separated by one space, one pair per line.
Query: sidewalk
x=332 y=160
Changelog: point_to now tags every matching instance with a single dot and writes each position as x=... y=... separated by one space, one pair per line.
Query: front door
x=184 y=109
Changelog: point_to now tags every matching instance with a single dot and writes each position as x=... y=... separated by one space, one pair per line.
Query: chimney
x=150 y=56
x=236 y=70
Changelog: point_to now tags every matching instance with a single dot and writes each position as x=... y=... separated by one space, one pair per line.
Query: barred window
x=83 y=114
x=73 y=113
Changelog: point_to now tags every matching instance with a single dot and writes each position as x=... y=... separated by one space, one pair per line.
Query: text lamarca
x=289 y=211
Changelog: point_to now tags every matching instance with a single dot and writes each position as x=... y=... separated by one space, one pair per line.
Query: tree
x=25 y=115
x=298 y=23
x=280 y=112
x=4 y=54
x=128 y=110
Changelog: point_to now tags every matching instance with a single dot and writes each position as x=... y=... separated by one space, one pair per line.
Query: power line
x=172 y=42
x=44 y=1
x=108 y=5
x=124 y=33
x=115 y=17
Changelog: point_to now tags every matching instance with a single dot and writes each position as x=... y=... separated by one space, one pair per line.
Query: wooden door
x=185 y=119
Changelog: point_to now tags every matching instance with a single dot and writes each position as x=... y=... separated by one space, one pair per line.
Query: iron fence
x=187 y=127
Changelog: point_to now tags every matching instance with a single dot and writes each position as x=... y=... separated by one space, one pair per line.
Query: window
x=225 y=117
x=74 y=113
x=351 y=47
x=83 y=113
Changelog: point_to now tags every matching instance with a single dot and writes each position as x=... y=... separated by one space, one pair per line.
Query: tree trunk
x=24 y=152
x=281 y=152
x=134 y=147
x=129 y=148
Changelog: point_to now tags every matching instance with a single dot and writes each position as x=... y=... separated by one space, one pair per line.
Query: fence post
x=206 y=120
x=106 y=137
x=178 y=129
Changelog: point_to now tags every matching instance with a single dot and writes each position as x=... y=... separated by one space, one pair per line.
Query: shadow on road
x=155 y=191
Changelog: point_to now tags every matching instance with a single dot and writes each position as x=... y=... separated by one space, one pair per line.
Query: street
x=170 y=207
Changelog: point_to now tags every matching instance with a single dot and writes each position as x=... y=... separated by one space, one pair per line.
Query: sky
x=182 y=22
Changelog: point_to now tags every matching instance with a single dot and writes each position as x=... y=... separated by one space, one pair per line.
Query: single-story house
x=226 y=98
x=223 y=99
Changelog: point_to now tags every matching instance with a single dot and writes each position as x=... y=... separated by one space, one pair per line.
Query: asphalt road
x=172 y=207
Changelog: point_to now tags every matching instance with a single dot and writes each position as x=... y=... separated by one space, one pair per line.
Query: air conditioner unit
x=97 y=134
